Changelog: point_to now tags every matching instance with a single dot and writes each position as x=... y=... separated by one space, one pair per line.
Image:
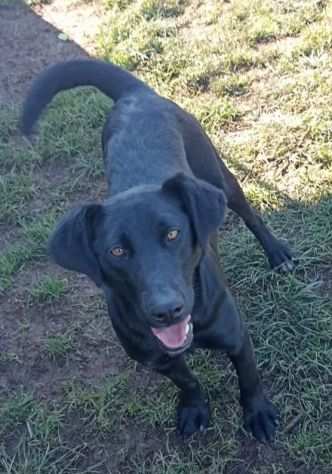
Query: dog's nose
x=168 y=313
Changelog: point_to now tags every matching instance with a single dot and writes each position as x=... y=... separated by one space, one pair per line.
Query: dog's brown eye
x=117 y=251
x=172 y=234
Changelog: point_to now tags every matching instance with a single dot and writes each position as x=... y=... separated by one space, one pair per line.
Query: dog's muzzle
x=175 y=338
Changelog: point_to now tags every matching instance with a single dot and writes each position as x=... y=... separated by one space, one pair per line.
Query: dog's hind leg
x=206 y=164
x=277 y=251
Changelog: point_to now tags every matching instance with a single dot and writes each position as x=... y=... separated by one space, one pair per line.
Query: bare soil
x=29 y=43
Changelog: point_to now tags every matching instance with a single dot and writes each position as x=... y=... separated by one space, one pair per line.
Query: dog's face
x=146 y=244
x=146 y=252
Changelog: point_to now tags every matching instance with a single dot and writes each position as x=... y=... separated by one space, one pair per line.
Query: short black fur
x=152 y=245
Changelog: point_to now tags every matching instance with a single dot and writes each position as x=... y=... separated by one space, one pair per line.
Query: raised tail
x=108 y=78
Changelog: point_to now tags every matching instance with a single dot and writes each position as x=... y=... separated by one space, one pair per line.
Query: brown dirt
x=80 y=21
x=25 y=327
x=28 y=43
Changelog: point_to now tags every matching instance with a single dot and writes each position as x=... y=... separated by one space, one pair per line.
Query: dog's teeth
x=187 y=328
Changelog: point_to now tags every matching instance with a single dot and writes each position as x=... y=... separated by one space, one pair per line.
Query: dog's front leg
x=260 y=416
x=229 y=334
x=193 y=408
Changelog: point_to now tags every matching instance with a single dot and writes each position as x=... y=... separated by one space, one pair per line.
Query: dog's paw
x=192 y=416
x=261 y=418
x=281 y=258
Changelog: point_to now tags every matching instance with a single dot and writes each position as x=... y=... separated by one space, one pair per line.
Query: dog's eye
x=117 y=251
x=173 y=234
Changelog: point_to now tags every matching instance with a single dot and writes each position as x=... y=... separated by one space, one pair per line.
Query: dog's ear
x=205 y=204
x=70 y=245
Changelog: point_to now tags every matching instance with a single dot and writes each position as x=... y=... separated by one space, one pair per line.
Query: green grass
x=58 y=346
x=16 y=411
x=35 y=428
x=31 y=246
x=11 y=262
x=258 y=77
x=48 y=289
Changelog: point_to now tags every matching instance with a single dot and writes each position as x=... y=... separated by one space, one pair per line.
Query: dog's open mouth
x=175 y=337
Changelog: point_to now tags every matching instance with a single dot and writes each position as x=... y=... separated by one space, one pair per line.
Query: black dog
x=151 y=246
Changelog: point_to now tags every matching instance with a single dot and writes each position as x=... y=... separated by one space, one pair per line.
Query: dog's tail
x=108 y=78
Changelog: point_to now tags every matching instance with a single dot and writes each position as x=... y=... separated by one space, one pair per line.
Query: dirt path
x=29 y=40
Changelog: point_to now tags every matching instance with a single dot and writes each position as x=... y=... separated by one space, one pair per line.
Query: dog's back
x=141 y=140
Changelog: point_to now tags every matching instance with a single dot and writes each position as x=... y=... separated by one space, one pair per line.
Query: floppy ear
x=70 y=245
x=205 y=204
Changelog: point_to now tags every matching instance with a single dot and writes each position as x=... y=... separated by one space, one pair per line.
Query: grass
x=15 y=193
x=58 y=346
x=258 y=77
x=48 y=289
x=32 y=246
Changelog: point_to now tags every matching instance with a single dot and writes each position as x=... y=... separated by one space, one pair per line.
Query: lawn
x=258 y=75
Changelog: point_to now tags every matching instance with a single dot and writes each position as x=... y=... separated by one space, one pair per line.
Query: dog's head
x=146 y=244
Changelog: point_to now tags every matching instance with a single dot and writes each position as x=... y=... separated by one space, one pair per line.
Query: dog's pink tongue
x=173 y=336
